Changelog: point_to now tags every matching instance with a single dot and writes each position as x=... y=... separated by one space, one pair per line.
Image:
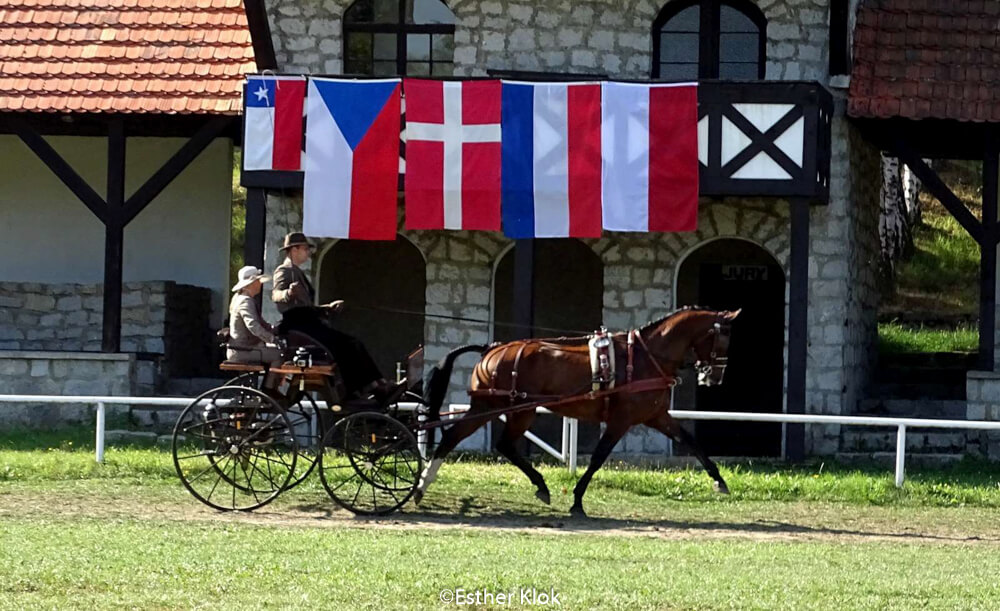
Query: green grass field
x=125 y=535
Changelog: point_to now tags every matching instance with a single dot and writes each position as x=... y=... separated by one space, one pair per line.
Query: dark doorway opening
x=371 y=275
x=568 y=286
x=735 y=274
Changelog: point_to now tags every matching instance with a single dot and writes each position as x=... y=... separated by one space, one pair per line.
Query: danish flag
x=453 y=160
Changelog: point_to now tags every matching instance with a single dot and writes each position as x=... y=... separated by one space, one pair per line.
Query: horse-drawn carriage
x=238 y=446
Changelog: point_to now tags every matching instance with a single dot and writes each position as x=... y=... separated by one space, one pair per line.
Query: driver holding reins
x=293 y=291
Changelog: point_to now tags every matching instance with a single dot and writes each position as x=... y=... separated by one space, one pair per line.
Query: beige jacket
x=247 y=330
x=285 y=298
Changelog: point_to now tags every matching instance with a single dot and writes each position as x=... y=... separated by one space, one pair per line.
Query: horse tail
x=440 y=375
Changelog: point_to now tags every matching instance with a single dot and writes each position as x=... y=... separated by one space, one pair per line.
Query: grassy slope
x=941 y=279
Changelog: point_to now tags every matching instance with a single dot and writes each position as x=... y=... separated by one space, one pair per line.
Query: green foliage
x=238 y=219
x=896 y=338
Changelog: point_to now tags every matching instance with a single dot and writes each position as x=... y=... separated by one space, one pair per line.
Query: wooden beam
x=524 y=287
x=798 y=330
x=839 y=50
x=936 y=187
x=256 y=222
x=63 y=171
x=260 y=34
x=114 y=232
x=174 y=166
x=988 y=257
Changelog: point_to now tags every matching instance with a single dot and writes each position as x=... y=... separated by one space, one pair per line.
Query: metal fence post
x=565 y=440
x=900 y=454
x=574 y=430
x=99 y=442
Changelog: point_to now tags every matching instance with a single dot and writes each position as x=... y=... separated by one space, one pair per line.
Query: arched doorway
x=730 y=274
x=568 y=286
x=377 y=275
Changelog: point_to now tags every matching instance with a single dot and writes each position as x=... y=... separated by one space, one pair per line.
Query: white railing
x=568 y=453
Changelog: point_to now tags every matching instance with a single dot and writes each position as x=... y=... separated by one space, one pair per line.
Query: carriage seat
x=242 y=367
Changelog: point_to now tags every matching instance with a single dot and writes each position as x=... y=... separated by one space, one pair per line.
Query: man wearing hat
x=250 y=338
x=292 y=290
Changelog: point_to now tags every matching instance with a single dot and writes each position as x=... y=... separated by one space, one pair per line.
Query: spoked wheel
x=234 y=448
x=370 y=463
x=307 y=422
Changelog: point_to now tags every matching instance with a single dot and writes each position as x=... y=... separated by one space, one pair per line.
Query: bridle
x=720 y=332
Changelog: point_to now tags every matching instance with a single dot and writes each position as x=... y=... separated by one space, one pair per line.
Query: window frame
x=709 y=33
x=400 y=29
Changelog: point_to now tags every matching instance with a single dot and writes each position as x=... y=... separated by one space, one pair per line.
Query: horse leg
x=515 y=427
x=451 y=437
x=613 y=433
x=669 y=427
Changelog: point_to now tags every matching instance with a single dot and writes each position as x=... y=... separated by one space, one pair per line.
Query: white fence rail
x=568 y=453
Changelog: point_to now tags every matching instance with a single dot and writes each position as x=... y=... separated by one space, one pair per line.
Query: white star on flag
x=261 y=93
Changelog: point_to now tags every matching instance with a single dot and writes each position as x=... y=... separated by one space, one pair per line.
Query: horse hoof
x=721 y=488
x=543 y=496
x=577 y=511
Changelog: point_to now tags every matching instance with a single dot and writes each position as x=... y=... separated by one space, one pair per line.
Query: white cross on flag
x=452 y=178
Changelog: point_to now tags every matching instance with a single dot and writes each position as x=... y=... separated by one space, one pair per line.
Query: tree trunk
x=900 y=212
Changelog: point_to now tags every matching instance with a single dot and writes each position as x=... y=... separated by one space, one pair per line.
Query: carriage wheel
x=307 y=422
x=234 y=448
x=370 y=463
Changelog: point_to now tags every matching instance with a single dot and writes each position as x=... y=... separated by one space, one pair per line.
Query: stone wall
x=157 y=317
x=982 y=394
x=608 y=37
x=64 y=373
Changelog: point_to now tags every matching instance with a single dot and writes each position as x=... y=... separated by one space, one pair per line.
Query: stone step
x=950 y=409
x=935 y=441
x=888 y=459
x=138 y=438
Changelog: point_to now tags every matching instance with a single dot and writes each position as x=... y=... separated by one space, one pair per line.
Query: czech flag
x=551 y=157
x=352 y=159
x=650 y=157
x=272 y=137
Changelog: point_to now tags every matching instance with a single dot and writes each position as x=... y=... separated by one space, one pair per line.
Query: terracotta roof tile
x=146 y=56
x=926 y=59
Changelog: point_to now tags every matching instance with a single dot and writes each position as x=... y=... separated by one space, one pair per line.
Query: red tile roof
x=128 y=56
x=922 y=59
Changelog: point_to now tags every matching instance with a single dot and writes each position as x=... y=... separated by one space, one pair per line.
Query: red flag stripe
x=374 y=182
x=673 y=158
x=288 y=99
x=584 y=151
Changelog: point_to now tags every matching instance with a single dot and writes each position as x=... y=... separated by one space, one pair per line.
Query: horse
x=515 y=377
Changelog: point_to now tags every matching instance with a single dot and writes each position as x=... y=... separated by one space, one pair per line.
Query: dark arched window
x=397 y=37
x=709 y=39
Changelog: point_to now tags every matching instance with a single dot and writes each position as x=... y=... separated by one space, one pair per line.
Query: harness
x=662 y=382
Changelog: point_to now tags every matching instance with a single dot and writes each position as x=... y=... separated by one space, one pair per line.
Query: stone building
x=805 y=343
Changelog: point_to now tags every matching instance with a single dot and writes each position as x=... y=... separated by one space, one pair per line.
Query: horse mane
x=680 y=310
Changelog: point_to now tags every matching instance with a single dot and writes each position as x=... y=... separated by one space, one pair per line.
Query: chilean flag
x=551 y=160
x=352 y=159
x=272 y=137
x=452 y=154
x=649 y=134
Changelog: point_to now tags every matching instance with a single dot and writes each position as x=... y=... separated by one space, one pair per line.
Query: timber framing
x=115 y=212
x=986 y=232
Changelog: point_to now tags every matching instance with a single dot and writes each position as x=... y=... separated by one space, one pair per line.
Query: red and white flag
x=649 y=145
x=452 y=178
x=272 y=137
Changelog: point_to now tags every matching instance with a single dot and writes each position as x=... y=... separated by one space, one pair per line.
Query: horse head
x=703 y=332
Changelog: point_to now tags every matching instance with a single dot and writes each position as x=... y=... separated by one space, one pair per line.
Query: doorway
x=731 y=274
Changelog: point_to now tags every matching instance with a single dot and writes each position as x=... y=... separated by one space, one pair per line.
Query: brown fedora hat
x=296 y=239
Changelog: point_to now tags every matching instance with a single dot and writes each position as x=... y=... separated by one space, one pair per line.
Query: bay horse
x=514 y=377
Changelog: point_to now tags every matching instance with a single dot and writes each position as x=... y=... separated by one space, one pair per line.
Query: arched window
x=399 y=37
x=709 y=39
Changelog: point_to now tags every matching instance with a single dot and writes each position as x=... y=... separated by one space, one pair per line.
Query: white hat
x=247 y=276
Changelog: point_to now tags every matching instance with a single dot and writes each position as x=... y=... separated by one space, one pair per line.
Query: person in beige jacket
x=251 y=339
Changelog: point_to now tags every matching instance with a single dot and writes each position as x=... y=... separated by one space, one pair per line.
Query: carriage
x=238 y=446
